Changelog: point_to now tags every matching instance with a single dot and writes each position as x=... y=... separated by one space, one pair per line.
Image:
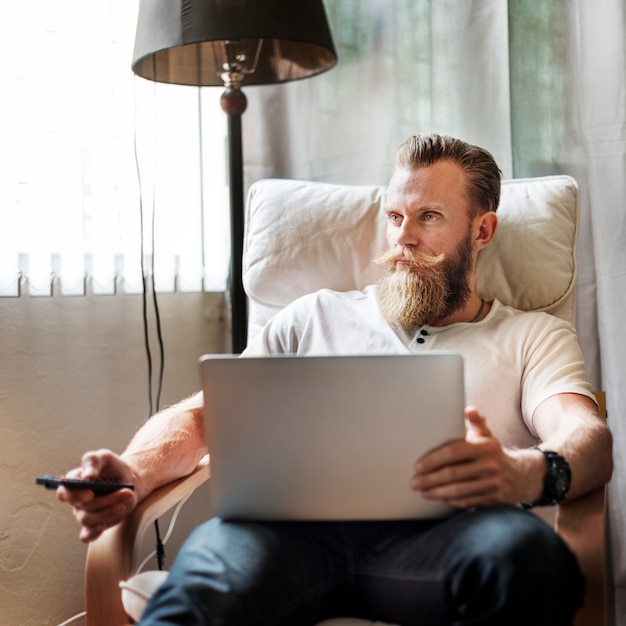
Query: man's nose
x=406 y=236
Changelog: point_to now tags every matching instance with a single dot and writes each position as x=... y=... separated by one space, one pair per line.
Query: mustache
x=419 y=259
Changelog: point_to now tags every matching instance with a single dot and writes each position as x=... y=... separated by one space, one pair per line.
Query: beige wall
x=73 y=376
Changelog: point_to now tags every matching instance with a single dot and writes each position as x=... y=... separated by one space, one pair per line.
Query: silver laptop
x=327 y=438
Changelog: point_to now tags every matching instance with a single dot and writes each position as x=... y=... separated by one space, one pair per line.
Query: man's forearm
x=169 y=445
x=588 y=453
x=573 y=428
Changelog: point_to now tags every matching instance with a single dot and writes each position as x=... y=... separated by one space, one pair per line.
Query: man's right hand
x=96 y=514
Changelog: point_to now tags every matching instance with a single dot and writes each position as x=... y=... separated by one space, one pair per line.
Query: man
x=490 y=563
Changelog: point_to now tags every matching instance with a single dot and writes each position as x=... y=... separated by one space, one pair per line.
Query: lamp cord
x=157 y=316
x=153 y=406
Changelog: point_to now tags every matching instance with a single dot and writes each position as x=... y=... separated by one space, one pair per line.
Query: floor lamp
x=227 y=43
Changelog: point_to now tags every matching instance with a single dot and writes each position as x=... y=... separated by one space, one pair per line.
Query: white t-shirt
x=513 y=360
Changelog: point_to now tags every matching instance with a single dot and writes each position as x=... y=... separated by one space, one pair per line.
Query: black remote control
x=99 y=487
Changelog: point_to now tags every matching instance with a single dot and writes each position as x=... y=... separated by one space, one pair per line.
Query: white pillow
x=531 y=264
x=302 y=236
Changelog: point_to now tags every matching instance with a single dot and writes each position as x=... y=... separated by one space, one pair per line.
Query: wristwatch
x=556 y=482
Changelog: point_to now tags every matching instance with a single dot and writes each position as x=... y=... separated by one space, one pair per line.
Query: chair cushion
x=302 y=236
x=137 y=591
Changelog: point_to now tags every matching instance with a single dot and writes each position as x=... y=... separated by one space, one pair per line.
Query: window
x=89 y=149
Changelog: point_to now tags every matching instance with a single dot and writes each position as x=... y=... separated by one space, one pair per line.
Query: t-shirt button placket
x=420 y=339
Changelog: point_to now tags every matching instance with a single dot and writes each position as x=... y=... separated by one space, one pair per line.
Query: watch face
x=558 y=478
x=556 y=483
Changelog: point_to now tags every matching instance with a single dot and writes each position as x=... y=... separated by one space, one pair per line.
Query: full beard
x=425 y=292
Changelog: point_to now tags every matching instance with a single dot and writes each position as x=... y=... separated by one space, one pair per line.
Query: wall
x=73 y=377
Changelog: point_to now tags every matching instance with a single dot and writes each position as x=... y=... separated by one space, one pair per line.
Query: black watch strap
x=556 y=482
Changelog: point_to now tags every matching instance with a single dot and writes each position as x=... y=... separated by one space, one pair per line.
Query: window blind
x=99 y=164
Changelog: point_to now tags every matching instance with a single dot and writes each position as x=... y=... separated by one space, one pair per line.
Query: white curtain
x=542 y=85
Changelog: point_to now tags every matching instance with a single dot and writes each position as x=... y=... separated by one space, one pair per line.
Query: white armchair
x=302 y=236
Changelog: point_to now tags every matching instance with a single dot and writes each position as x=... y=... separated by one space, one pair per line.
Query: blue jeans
x=495 y=566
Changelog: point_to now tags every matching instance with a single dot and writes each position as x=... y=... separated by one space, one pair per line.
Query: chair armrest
x=580 y=523
x=111 y=557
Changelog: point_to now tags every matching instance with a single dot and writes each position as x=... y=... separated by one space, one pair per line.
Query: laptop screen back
x=327 y=438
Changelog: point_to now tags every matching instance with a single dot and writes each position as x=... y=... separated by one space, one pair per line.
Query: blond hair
x=483 y=176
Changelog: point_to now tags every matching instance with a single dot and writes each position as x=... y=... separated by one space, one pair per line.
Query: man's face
x=429 y=267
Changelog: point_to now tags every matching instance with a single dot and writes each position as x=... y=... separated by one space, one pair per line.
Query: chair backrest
x=303 y=236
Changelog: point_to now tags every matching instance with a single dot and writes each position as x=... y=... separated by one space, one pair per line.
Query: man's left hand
x=475 y=471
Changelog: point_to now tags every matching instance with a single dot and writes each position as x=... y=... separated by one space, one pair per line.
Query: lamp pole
x=234 y=103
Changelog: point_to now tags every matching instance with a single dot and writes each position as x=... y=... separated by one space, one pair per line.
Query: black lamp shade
x=180 y=41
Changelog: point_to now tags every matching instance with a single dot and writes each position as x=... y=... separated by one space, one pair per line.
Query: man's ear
x=485 y=227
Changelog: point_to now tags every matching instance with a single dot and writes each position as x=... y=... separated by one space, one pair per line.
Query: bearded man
x=490 y=563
